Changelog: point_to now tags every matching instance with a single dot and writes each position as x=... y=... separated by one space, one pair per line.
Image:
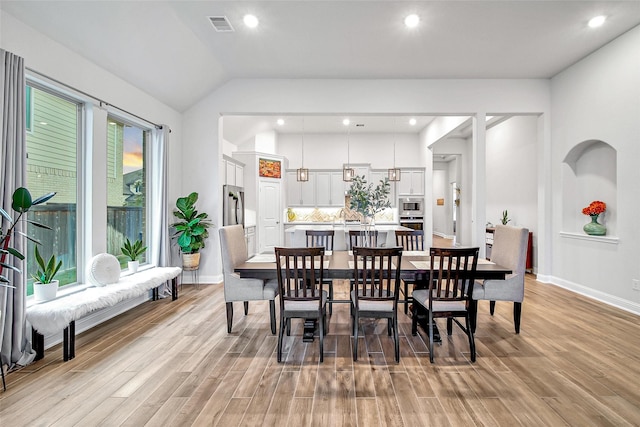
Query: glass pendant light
x=302 y=173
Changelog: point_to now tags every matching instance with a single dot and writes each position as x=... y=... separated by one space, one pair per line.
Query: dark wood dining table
x=414 y=266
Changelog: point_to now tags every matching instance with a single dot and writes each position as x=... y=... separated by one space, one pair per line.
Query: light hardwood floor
x=576 y=362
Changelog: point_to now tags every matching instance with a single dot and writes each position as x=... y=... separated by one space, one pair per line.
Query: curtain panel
x=16 y=348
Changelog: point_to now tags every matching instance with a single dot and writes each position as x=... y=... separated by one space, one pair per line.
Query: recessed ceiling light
x=412 y=20
x=346 y=122
x=597 y=21
x=280 y=122
x=250 y=21
x=412 y=122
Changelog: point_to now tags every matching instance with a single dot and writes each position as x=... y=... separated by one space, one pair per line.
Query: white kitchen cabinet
x=250 y=236
x=301 y=193
x=411 y=182
x=377 y=176
x=329 y=188
x=233 y=172
x=361 y=170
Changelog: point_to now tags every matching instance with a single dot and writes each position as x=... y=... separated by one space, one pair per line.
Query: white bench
x=60 y=314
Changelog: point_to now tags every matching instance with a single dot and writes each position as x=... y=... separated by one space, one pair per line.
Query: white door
x=269 y=216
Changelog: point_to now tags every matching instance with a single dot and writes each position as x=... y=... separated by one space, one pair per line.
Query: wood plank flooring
x=575 y=363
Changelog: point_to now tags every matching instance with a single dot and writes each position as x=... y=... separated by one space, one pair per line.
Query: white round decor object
x=103 y=270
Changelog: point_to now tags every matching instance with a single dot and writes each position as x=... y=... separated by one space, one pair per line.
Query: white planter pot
x=133 y=266
x=45 y=291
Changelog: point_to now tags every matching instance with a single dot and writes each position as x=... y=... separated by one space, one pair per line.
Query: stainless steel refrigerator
x=233 y=205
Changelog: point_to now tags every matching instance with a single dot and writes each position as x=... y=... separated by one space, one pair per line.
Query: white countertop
x=340 y=227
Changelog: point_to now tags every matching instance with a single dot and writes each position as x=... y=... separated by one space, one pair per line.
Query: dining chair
x=451 y=278
x=300 y=274
x=233 y=248
x=322 y=238
x=363 y=239
x=509 y=250
x=376 y=273
x=409 y=240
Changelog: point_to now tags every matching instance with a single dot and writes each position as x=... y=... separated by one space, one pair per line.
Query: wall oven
x=414 y=222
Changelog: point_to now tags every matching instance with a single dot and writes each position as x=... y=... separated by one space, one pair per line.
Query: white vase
x=133 y=266
x=45 y=291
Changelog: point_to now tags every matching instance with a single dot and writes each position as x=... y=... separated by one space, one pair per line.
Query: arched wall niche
x=589 y=173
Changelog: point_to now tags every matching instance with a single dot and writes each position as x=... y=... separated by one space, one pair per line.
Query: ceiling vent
x=221 y=24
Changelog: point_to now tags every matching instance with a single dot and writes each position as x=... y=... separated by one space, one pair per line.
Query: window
x=126 y=186
x=52 y=165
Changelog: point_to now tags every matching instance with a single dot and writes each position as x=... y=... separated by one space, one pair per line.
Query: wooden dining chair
x=322 y=238
x=409 y=240
x=376 y=273
x=300 y=274
x=363 y=239
x=451 y=278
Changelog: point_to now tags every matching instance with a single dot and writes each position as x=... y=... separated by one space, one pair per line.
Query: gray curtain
x=160 y=250
x=16 y=348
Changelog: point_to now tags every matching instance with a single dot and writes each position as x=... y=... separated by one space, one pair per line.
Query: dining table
x=414 y=266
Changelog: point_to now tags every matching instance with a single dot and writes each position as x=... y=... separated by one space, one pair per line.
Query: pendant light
x=302 y=174
x=347 y=170
x=394 y=173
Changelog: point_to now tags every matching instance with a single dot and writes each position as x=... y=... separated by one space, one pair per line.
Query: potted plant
x=505 y=217
x=191 y=230
x=45 y=287
x=368 y=200
x=133 y=251
x=21 y=202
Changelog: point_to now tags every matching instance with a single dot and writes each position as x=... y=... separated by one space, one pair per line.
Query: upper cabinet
x=301 y=193
x=377 y=176
x=234 y=172
x=330 y=188
x=411 y=182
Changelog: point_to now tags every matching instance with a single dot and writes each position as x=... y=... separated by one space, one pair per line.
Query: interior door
x=269 y=213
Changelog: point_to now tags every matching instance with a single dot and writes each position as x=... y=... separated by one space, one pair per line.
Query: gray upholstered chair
x=234 y=252
x=509 y=250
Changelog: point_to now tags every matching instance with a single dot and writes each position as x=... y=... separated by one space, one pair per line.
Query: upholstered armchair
x=234 y=252
x=509 y=250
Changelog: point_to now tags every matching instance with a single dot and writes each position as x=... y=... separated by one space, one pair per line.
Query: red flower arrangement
x=595 y=208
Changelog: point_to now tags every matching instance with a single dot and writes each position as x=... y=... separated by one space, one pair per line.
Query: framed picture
x=270 y=168
x=440 y=202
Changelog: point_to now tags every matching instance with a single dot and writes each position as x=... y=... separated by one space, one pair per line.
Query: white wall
x=599 y=99
x=329 y=151
x=512 y=172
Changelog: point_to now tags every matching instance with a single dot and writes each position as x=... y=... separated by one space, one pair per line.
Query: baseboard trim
x=608 y=299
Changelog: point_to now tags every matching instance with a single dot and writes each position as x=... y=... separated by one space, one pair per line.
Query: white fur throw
x=55 y=315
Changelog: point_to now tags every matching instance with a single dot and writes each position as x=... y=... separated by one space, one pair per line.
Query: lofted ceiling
x=170 y=50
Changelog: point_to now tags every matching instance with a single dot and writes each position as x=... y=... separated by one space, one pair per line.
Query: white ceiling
x=170 y=50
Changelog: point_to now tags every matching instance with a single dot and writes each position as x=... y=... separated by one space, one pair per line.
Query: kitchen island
x=295 y=234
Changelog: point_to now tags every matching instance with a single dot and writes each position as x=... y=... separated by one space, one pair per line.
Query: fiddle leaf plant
x=191 y=229
x=46 y=270
x=133 y=250
x=21 y=202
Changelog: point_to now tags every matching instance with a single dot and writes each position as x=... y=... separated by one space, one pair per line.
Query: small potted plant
x=505 y=217
x=191 y=230
x=133 y=251
x=45 y=286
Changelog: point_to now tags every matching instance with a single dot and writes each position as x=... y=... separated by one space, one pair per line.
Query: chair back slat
x=377 y=273
x=410 y=240
x=452 y=274
x=300 y=273
x=323 y=238
x=363 y=239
